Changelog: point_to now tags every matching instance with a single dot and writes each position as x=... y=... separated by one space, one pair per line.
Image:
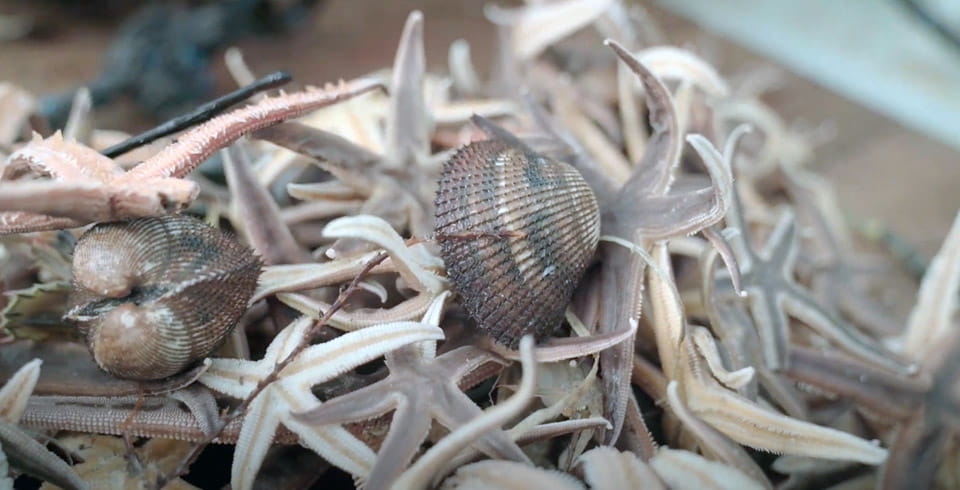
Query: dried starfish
x=925 y=406
x=397 y=185
x=701 y=384
x=87 y=186
x=663 y=215
x=772 y=293
x=292 y=392
x=838 y=278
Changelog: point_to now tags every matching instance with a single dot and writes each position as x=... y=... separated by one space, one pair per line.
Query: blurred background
x=875 y=83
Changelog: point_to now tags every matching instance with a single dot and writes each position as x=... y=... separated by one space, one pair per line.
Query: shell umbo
x=152 y=296
x=516 y=231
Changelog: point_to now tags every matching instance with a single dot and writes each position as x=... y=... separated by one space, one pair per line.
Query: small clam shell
x=516 y=231
x=153 y=296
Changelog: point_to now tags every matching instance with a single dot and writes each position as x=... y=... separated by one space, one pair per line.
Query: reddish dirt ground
x=880 y=169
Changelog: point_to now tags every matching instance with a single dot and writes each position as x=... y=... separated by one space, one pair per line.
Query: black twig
x=200 y=114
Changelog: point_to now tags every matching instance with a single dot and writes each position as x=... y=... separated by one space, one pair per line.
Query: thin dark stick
x=240 y=409
x=200 y=114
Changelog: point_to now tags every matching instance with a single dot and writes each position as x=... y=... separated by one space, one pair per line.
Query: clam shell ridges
x=191 y=280
x=516 y=231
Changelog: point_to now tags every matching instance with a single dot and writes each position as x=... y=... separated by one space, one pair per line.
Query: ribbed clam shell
x=152 y=296
x=516 y=231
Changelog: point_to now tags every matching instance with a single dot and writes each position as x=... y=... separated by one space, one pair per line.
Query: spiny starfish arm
x=196 y=145
x=259 y=426
x=753 y=426
x=713 y=442
x=22 y=222
x=61 y=159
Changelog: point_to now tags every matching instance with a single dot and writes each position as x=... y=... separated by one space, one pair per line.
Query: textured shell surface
x=516 y=231
x=152 y=296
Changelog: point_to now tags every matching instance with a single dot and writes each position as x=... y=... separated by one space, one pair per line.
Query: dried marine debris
x=365 y=316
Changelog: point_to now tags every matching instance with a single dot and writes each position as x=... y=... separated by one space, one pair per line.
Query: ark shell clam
x=516 y=231
x=152 y=296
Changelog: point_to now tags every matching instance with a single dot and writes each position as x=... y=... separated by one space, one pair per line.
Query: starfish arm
x=462 y=72
x=462 y=361
x=79 y=125
x=492 y=474
x=753 y=426
x=413 y=263
x=605 y=468
x=28 y=455
x=407 y=310
x=566 y=348
x=346 y=160
x=654 y=174
x=22 y=222
x=16 y=392
x=673 y=63
x=61 y=159
x=388 y=202
x=781 y=247
x=431 y=466
x=234 y=377
x=297 y=277
x=363 y=404
x=322 y=362
x=259 y=426
x=932 y=317
x=679 y=469
x=83 y=201
x=872 y=388
x=622 y=285
x=334 y=443
x=258 y=213
x=408 y=123
x=713 y=442
x=847 y=337
x=535 y=27
x=196 y=145
x=238 y=378
x=772 y=327
x=457 y=410
x=408 y=430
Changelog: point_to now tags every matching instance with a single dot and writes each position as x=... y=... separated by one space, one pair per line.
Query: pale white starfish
x=292 y=392
x=20 y=449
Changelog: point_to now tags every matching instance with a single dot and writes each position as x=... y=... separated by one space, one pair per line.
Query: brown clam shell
x=153 y=296
x=516 y=231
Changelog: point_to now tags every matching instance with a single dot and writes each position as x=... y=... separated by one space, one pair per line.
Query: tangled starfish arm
x=88 y=187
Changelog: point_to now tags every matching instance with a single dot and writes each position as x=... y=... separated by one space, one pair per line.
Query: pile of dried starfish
x=671 y=370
